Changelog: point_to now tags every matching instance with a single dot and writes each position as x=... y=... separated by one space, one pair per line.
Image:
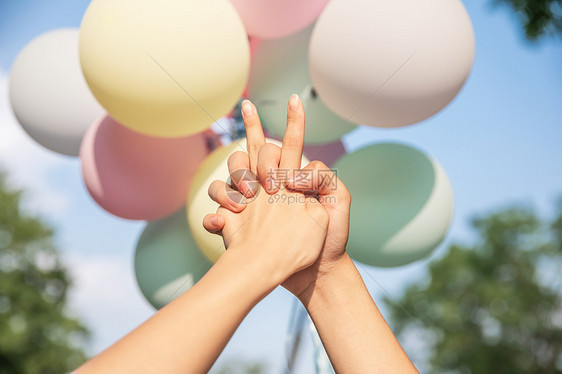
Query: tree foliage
x=36 y=335
x=495 y=306
x=538 y=17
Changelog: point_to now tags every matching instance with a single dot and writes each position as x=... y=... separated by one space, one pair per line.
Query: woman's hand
x=286 y=232
x=292 y=238
x=268 y=241
x=280 y=167
x=285 y=235
x=354 y=333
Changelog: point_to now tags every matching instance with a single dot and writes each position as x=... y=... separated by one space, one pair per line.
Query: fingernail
x=247 y=108
x=215 y=221
x=294 y=102
x=237 y=199
x=246 y=189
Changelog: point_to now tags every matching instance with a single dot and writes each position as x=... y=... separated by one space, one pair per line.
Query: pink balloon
x=254 y=43
x=327 y=153
x=136 y=176
x=273 y=19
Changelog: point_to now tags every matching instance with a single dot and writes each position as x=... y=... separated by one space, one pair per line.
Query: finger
x=254 y=132
x=291 y=152
x=269 y=156
x=238 y=160
x=316 y=176
x=317 y=212
x=226 y=196
x=238 y=166
x=213 y=223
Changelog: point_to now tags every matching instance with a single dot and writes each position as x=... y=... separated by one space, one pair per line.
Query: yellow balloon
x=165 y=68
x=199 y=204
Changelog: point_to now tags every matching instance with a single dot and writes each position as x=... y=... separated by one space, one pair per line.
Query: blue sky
x=500 y=141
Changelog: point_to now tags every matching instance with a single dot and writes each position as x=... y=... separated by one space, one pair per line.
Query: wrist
x=328 y=281
x=256 y=264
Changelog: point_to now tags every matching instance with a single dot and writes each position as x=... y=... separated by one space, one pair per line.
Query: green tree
x=495 y=306
x=36 y=335
x=538 y=17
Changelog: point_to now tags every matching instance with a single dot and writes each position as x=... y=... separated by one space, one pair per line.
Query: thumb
x=213 y=223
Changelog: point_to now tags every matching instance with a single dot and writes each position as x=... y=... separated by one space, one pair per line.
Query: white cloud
x=105 y=296
x=104 y=293
x=27 y=163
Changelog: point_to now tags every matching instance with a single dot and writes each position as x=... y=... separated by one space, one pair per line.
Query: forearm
x=353 y=331
x=188 y=334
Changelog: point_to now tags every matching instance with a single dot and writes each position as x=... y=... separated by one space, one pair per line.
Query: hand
x=284 y=236
x=268 y=160
x=286 y=233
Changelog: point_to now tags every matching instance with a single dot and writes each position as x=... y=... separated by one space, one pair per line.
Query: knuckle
x=213 y=188
x=265 y=160
x=268 y=148
x=236 y=157
x=344 y=194
x=254 y=148
x=320 y=213
x=291 y=143
x=317 y=164
x=264 y=172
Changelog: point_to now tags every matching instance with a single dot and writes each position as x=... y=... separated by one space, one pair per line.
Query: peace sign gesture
x=279 y=167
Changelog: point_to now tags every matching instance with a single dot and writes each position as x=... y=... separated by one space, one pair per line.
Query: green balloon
x=402 y=204
x=279 y=69
x=167 y=260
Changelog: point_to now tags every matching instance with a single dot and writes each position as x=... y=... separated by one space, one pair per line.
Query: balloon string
x=307 y=94
x=321 y=359
x=294 y=336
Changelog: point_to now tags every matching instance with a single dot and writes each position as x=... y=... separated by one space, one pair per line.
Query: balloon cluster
x=135 y=90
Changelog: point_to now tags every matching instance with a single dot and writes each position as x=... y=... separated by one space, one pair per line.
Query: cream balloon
x=164 y=68
x=390 y=63
x=402 y=204
x=199 y=204
x=49 y=95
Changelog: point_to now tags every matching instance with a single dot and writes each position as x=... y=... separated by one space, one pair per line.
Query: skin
x=353 y=331
x=297 y=241
x=187 y=335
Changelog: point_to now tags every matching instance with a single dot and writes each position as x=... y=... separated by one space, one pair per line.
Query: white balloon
x=390 y=63
x=49 y=94
x=199 y=204
x=279 y=69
